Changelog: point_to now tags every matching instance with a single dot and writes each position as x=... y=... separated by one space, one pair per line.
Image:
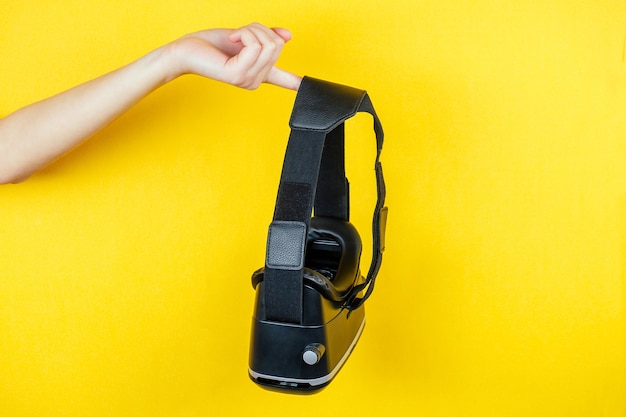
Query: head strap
x=315 y=155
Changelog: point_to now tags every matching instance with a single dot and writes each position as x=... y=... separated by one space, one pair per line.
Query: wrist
x=166 y=64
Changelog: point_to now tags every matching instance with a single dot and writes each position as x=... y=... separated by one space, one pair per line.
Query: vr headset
x=309 y=310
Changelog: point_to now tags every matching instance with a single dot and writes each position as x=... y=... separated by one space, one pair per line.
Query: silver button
x=313 y=353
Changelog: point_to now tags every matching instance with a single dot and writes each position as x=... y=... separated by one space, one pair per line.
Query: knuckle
x=274 y=46
x=236 y=78
x=243 y=79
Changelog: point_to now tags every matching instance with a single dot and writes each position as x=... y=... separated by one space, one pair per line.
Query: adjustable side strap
x=332 y=198
x=379 y=218
x=284 y=263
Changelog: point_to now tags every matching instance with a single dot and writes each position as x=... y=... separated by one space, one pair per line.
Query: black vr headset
x=309 y=309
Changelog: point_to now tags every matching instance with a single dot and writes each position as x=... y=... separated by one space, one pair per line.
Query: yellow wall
x=125 y=267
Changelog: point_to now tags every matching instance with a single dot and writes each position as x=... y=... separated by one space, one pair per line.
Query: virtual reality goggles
x=309 y=310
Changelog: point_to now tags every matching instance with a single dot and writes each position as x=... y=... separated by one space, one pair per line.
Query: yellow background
x=125 y=266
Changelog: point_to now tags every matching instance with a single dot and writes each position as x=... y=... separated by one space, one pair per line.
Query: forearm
x=34 y=135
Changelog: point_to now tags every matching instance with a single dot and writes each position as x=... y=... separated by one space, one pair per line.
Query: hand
x=243 y=57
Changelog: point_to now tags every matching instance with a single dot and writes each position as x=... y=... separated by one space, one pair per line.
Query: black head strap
x=315 y=155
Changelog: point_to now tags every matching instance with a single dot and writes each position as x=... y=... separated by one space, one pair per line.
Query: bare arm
x=35 y=135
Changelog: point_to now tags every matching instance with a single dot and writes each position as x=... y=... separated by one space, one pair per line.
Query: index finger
x=282 y=78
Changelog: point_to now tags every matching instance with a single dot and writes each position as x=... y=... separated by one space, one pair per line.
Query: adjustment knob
x=313 y=353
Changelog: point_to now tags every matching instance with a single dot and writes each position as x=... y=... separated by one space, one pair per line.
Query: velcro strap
x=285 y=245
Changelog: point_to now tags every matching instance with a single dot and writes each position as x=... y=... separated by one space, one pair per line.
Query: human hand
x=243 y=57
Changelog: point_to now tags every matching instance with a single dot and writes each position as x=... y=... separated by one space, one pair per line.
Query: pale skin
x=37 y=134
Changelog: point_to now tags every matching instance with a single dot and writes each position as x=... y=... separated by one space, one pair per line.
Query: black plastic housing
x=276 y=354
